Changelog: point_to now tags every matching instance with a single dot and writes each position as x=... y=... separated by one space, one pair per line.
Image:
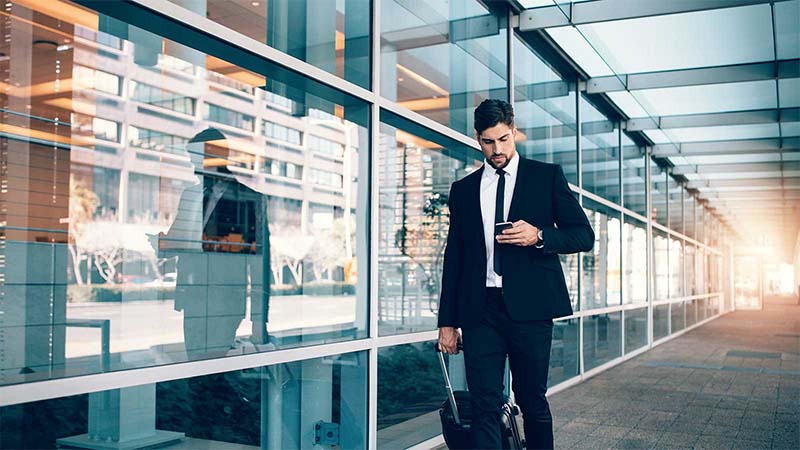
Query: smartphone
x=499 y=227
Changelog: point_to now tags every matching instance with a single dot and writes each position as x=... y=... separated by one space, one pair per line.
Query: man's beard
x=501 y=166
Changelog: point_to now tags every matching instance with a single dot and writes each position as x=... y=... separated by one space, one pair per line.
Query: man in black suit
x=504 y=291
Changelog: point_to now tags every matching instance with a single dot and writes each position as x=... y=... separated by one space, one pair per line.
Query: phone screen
x=499 y=227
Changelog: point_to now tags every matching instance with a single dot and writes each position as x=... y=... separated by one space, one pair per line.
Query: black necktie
x=498 y=217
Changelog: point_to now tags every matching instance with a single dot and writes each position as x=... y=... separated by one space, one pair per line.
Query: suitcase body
x=456 y=417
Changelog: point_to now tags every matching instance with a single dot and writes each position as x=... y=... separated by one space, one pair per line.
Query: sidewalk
x=733 y=383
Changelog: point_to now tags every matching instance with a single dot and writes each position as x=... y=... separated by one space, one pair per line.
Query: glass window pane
x=441 y=59
x=600 y=149
x=564 y=352
x=789 y=92
x=602 y=339
x=660 y=322
x=675 y=205
x=709 y=98
x=787 y=29
x=658 y=194
x=569 y=265
x=690 y=270
x=698 y=39
x=544 y=107
x=676 y=269
x=635 y=329
x=702 y=309
x=277 y=406
x=410 y=393
x=628 y=104
x=601 y=267
x=689 y=211
x=177 y=244
x=700 y=270
x=678 y=317
x=634 y=176
x=660 y=264
x=714 y=305
x=723 y=133
x=333 y=35
x=417 y=169
x=580 y=50
x=691 y=312
x=634 y=261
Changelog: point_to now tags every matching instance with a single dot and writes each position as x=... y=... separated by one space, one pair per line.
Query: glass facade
x=602 y=283
x=659 y=180
x=634 y=176
x=187 y=244
x=249 y=222
x=442 y=58
x=600 y=149
x=660 y=265
x=635 y=329
x=602 y=339
x=544 y=107
x=411 y=391
x=287 y=405
x=331 y=35
x=634 y=261
x=416 y=174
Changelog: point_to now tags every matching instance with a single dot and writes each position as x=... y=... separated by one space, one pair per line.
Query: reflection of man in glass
x=220 y=239
x=504 y=288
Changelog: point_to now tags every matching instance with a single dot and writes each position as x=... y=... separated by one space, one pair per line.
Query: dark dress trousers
x=515 y=321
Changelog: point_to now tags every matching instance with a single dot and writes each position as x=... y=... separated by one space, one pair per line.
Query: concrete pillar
x=353 y=401
x=315 y=402
x=122 y=418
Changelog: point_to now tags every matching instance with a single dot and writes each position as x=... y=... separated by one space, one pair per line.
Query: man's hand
x=449 y=337
x=522 y=234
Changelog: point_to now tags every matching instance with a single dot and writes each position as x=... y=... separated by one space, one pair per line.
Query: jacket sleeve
x=451 y=270
x=572 y=232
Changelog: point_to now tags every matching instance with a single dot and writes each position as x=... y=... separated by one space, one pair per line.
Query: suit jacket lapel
x=475 y=200
x=516 y=201
x=475 y=206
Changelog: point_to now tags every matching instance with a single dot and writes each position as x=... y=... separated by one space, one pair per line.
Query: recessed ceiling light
x=255 y=3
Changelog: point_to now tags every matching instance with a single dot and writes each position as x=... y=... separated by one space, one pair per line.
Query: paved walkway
x=733 y=383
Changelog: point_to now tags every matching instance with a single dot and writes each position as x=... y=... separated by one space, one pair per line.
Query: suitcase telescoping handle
x=449 y=387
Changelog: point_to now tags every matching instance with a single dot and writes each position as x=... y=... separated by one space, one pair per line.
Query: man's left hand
x=522 y=234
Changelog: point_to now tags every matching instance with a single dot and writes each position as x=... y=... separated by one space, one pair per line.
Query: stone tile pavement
x=733 y=383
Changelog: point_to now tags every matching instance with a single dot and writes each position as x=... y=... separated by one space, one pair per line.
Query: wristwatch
x=540 y=242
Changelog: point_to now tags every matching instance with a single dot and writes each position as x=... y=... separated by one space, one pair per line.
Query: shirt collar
x=510 y=169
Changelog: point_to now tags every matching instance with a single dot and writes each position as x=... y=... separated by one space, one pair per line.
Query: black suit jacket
x=533 y=282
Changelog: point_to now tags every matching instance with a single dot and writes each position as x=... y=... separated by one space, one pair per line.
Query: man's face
x=497 y=144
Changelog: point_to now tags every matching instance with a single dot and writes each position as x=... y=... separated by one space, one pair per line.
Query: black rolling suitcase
x=456 y=416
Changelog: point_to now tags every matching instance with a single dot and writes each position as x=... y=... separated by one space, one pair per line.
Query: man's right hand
x=449 y=337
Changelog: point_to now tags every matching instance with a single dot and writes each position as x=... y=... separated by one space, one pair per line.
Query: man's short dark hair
x=491 y=112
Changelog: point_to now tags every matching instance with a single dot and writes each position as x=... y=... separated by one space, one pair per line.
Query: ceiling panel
x=787 y=29
x=572 y=42
x=710 y=98
x=789 y=92
x=723 y=133
x=698 y=39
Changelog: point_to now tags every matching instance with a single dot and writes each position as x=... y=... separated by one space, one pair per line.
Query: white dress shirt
x=488 y=198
